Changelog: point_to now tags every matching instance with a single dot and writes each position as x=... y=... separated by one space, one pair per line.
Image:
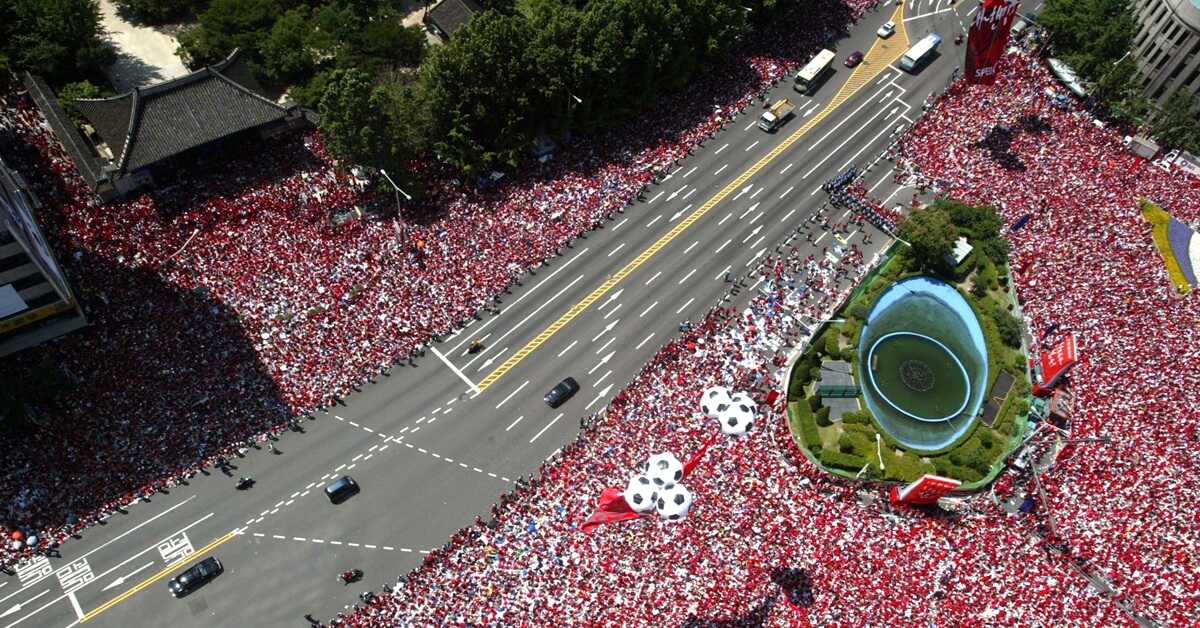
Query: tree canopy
x=60 y=40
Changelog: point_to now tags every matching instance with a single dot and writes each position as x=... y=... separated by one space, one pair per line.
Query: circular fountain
x=923 y=365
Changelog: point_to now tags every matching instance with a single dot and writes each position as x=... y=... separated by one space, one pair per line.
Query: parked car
x=340 y=489
x=562 y=392
x=886 y=30
x=854 y=59
x=195 y=576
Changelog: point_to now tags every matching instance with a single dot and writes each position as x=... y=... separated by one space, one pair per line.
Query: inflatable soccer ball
x=664 y=469
x=674 y=503
x=713 y=401
x=641 y=494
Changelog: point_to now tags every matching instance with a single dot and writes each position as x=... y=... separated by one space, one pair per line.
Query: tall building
x=1167 y=47
x=36 y=304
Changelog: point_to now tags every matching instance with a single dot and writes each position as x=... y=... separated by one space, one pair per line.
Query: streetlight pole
x=399 y=215
x=570 y=108
x=879 y=450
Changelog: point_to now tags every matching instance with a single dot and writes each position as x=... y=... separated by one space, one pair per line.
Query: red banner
x=927 y=489
x=1057 y=361
x=611 y=508
x=987 y=38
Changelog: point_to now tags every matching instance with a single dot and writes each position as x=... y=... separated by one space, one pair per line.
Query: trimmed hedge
x=822 y=416
x=808 y=428
x=838 y=460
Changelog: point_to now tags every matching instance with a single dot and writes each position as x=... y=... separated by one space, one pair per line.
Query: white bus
x=919 y=53
x=813 y=71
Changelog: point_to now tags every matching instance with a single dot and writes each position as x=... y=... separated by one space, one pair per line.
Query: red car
x=854 y=59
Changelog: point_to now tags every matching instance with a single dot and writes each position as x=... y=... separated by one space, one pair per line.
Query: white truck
x=773 y=117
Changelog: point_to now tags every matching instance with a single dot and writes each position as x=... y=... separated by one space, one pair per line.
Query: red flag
x=987 y=38
x=611 y=508
x=695 y=459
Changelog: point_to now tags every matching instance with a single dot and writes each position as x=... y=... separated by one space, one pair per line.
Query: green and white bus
x=812 y=72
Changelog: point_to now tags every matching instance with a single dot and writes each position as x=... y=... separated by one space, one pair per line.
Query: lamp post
x=570 y=108
x=879 y=450
x=399 y=215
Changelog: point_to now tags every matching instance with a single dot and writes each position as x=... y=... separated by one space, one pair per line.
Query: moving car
x=197 y=575
x=854 y=59
x=886 y=30
x=562 y=392
x=340 y=489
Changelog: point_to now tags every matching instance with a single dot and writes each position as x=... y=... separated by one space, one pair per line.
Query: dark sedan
x=854 y=59
x=562 y=392
x=197 y=575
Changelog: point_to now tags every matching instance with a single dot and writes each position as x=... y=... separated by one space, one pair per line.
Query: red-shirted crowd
x=223 y=307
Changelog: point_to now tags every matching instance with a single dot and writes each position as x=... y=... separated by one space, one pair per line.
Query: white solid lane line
x=560 y=415
x=510 y=396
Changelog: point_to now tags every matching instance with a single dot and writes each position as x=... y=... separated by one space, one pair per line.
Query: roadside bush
x=1008 y=327
x=814 y=402
x=858 y=417
x=832 y=346
x=803 y=417
x=835 y=459
x=822 y=415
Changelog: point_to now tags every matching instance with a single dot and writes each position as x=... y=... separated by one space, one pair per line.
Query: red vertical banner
x=926 y=489
x=987 y=38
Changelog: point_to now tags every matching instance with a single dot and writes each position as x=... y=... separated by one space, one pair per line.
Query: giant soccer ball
x=713 y=401
x=738 y=418
x=641 y=494
x=674 y=503
x=664 y=470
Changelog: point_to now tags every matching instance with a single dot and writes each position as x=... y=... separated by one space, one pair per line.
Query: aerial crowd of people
x=224 y=307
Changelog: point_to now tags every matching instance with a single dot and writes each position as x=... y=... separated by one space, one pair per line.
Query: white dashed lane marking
x=301 y=539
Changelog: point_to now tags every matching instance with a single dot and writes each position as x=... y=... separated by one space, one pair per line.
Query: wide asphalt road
x=433 y=444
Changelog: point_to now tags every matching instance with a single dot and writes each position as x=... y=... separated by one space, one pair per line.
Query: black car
x=562 y=392
x=338 y=491
x=197 y=575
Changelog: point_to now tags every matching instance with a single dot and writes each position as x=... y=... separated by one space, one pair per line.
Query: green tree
x=1176 y=124
x=1091 y=35
x=286 y=56
x=160 y=11
x=996 y=249
x=60 y=40
x=70 y=92
x=356 y=121
x=1008 y=326
x=930 y=234
x=981 y=222
x=226 y=25
x=483 y=92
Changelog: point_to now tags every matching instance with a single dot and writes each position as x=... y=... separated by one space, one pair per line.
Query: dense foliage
x=60 y=40
x=1095 y=37
x=501 y=82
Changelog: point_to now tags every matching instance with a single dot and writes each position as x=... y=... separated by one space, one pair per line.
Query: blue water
x=934 y=309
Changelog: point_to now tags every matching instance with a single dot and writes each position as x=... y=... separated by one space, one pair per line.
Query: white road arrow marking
x=488 y=362
x=886 y=96
x=612 y=297
x=752 y=234
x=810 y=111
x=606 y=329
x=119 y=581
x=17 y=607
x=679 y=213
x=600 y=396
x=676 y=192
x=745 y=190
x=752 y=208
x=604 y=360
x=892 y=112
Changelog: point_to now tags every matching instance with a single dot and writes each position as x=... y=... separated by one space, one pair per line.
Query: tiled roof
x=90 y=167
x=150 y=124
x=450 y=15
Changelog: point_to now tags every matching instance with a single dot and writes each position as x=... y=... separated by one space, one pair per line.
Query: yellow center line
x=156 y=577
x=883 y=48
